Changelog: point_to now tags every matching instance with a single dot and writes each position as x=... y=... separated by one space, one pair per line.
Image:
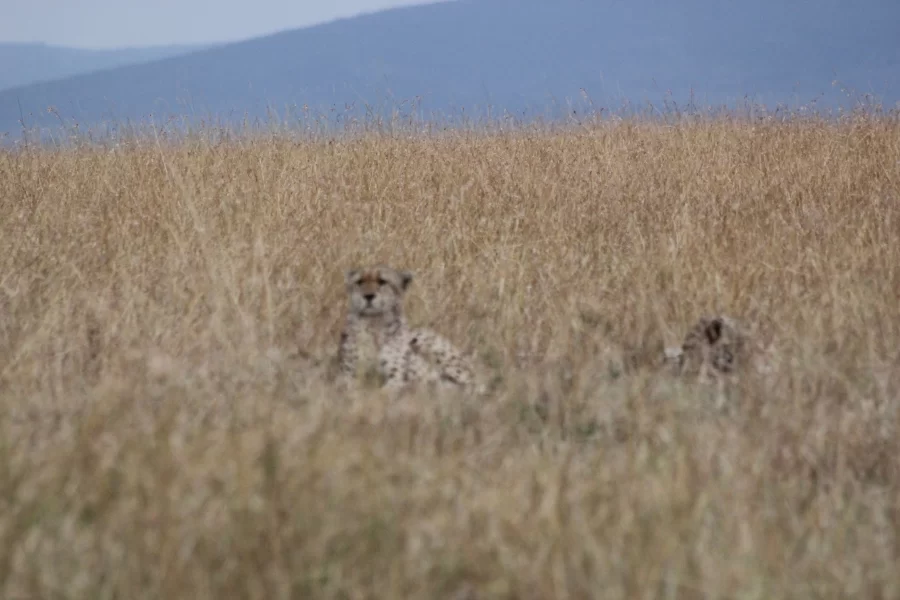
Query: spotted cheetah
x=404 y=355
x=717 y=346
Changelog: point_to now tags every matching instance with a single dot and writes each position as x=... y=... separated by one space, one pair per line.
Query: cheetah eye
x=382 y=281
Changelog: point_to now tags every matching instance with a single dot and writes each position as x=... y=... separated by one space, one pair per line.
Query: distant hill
x=515 y=55
x=23 y=64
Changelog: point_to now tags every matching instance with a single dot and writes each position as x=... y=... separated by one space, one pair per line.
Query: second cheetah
x=403 y=355
x=713 y=343
x=718 y=346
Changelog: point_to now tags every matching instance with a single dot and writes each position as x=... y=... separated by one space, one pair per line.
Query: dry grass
x=168 y=311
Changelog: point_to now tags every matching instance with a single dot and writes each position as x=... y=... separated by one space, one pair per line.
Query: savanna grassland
x=169 y=311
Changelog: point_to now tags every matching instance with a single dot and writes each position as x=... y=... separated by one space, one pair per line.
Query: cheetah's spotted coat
x=718 y=346
x=404 y=355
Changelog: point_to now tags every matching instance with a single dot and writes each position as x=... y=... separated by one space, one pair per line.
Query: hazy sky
x=117 y=23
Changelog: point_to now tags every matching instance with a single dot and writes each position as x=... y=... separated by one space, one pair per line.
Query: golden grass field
x=169 y=312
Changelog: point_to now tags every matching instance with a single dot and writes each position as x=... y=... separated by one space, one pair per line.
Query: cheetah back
x=423 y=355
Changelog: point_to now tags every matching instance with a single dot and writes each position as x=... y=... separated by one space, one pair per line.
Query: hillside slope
x=24 y=64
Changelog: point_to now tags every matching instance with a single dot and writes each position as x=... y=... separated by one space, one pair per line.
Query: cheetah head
x=724 y=338
x=376 y=290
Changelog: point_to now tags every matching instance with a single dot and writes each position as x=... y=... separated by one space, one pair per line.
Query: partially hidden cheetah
x=403 y=355
x=717 y=346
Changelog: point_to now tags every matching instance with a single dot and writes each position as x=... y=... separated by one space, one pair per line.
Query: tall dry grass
x=168 y=313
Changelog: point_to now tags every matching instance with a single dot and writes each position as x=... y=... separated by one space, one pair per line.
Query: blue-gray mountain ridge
x=22 y=64
x=517 y=56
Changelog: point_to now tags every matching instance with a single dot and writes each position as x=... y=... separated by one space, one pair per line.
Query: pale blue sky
x=117 y=23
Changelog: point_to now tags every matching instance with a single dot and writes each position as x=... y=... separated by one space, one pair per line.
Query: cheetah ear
x=714 y=331
x=406 y=278
x=350 y=277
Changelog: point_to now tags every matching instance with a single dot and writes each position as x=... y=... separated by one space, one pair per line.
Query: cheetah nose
x=369 y=297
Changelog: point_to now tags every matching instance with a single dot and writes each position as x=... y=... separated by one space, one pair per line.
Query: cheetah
x=404 y=356
x=718 y=346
